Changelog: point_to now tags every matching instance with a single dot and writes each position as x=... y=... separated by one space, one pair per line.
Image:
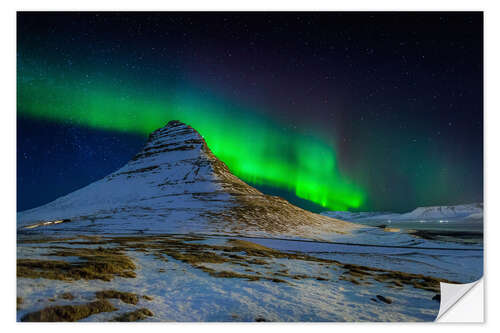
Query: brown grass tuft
x=69 y=312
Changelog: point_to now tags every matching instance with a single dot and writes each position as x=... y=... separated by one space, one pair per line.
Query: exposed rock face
x=176 y=184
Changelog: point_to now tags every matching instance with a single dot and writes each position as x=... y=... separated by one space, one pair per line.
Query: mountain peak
x=176 y=184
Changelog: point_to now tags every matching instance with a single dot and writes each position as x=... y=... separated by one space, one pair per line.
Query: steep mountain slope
x=176 y=184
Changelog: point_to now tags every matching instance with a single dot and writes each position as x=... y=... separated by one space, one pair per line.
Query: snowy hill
x=176 y=184
x=472 y=211
x=463 y=212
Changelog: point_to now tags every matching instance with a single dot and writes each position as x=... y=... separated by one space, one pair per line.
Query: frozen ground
x=289 y=287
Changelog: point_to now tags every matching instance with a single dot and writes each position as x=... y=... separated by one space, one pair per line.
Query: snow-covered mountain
x=472 y=211
x=461 y=212
x=176 y=184
x=352 y=216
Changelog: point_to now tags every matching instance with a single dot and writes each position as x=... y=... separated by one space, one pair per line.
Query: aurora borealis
x=345 y=117
x=253 y=147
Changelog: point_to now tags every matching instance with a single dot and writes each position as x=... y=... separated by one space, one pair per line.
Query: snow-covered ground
x=183 y=292
x=395 y=251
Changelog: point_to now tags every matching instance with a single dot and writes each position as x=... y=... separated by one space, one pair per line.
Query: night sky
x=333 y=111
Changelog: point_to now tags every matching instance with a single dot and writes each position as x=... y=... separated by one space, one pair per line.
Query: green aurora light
x=255 y=148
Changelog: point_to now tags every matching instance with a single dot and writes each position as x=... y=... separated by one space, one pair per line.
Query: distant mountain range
x=467 y=212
